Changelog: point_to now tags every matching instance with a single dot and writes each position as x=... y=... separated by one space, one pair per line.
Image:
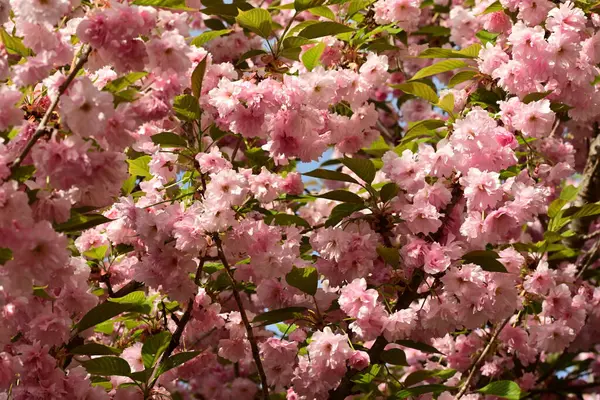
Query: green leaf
x=175 y=360
x=487 y=37
x=282 y=314
x=424 y=347
x=107 y=366
x=23 y=173
x=447 y=103
x=311 y=57
x=198 y=77
x=343 y=196
x=207 y=36
x=14 y=45
x=108 y=309
x=186 y=107
x=5 y=255
x=322 y=11
x=40 y=291
x=357 y=5
x=124 y=82
x=286 y=220
x=416 y=391
x=330 y=175
x=172 y=4
x=362 y=167
x=250 y=54
x=418 y=89
x=80 y=222
x=324 y=28
x=569 y=193
x=153 y=348
x=505 y=389
x=95 y=349
x=390 y=255
x=394 y=357
x=305 y=279
x=301 y=5
x=257 y=20
x=368 y=375
x=433 y=30
x=168 y=139
x=419 y=376
x=487 y=260
x=460 y=77
x=342 y=211
x=438 y=68
x=423 y=127
x=139 y=166
x=388 y=191
x=531 y=97
x=586 y=210
x=97 y=253
x=492 y=8
x=296 y=41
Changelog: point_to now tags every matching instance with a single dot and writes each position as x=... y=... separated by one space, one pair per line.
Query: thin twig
x=42 y=130
x=238 y=300
x=481 y=358
x=589 y=259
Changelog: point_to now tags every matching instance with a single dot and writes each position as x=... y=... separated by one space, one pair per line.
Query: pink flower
x=329 y=350
x=359 y=360
x=9 y=114
x=356 y=301
x=86 y=109
x=482 y=189
x=168 y=53
x=404 y=13
x=212 y=162
x=133 y=355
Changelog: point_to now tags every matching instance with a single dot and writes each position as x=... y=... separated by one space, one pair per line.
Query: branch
x=480 y=359
x=589 y=192
x=238 y=300
x=42 y=128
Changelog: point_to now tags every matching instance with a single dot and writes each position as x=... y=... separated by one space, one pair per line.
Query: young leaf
x=324 y=28
x=531 y=97
x=97 y=253
x=419 y=376
x=207 y=36
x=494 y=7
x=198 y=77
x=418 y=89
x=14 y=45
x=362 y=167
x=153 y=348
x=107 y=366
x=394 y=357
x=487 y=260
x=322 y=11
x=173 y=4
x=124 y=82
x=286 y=220
x=168 y=139
x=438 y=68
x=311 y=57
x=257 y=20
x=330 y=175
x=487 y=37
x=447 y=104
x=390 y=255
x=505 y=389
x=343 y=196
x=422 y=127
x=5 y=255
x=305 y=279
x=139 y=166
x=186 y=107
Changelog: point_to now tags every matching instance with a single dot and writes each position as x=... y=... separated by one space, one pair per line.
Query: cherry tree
x=161 y=237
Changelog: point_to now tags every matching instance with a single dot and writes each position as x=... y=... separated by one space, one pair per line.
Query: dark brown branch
x=42 y=129
x=240 y=304
x=589 y=192
x=475 y=367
